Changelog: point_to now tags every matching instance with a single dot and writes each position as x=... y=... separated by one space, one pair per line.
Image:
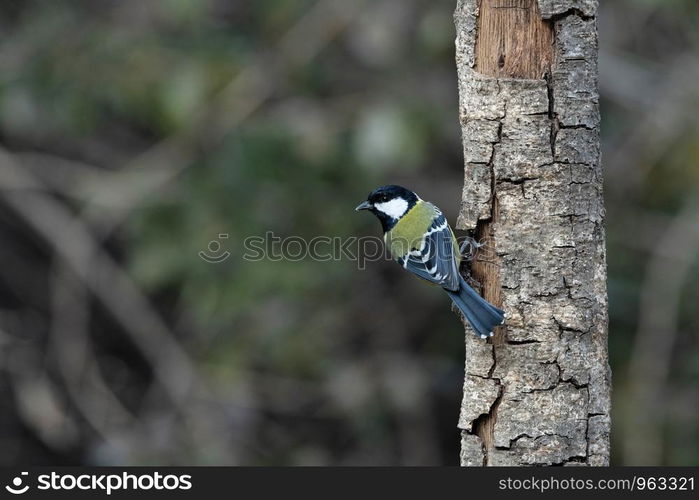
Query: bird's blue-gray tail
x=481 y=314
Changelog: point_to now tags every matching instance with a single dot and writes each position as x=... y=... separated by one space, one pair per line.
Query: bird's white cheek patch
x=393 y=208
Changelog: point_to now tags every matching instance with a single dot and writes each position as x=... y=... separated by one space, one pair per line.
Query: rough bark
x=539 y=392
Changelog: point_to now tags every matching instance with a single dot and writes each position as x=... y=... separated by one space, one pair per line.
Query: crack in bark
x=568 y=439
x=572 y=11
x=513 y=441
x=553 y=116
x=571 y=460
x=523 y=342
x=484 y=425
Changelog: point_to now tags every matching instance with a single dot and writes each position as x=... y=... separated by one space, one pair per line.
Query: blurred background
x=134 y=133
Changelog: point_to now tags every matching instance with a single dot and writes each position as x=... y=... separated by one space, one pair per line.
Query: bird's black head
x=389 y=204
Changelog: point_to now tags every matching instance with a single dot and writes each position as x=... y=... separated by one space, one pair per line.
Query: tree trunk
x=539 y=392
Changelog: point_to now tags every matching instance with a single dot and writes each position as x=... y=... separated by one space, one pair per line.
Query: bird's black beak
x=365 y=205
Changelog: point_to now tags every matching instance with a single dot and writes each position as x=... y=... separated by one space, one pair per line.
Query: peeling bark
x=539 y=394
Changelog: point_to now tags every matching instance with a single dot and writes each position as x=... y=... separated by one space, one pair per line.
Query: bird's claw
x=469 y=247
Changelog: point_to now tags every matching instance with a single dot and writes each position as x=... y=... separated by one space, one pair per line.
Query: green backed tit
x=419 y=239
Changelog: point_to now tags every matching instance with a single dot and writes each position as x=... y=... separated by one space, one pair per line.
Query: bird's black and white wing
x=434 y=261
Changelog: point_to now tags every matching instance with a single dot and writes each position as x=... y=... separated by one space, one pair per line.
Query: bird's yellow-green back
x=409 y=232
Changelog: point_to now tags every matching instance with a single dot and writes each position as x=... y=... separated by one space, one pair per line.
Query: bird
x=420 y=239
